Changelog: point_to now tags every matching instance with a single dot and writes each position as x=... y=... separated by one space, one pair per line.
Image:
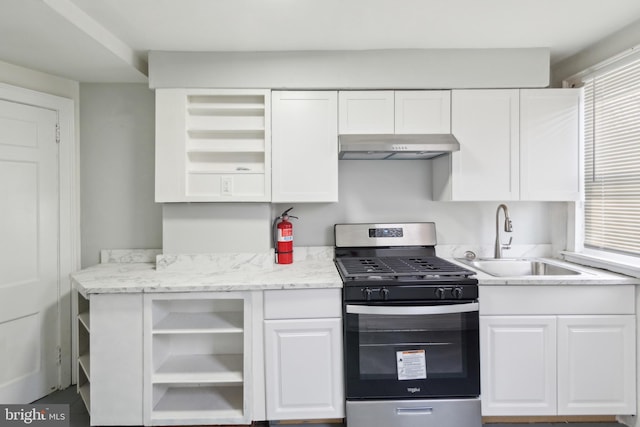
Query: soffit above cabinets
x=343 y=69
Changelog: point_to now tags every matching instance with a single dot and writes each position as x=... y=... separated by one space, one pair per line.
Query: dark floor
x=80 y=418
x=78 y=415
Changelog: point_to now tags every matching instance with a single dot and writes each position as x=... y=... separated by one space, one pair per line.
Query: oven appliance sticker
x=412 y=365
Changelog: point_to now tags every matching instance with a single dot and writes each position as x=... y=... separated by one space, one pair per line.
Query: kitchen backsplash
x=370 y=191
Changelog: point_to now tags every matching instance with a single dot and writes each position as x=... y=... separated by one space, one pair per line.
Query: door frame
x=69 y=206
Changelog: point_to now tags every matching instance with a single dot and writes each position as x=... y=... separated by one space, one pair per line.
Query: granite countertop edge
x=227 y=272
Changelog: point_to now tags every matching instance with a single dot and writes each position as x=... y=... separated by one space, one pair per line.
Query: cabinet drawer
x=556 y=299
x=302 y=303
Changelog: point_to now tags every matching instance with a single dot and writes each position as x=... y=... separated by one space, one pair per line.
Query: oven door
x=411 y=351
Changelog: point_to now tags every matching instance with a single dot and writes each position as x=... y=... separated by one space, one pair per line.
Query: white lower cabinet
x=201 y=358
x=518 y=365
x=596 y=365
x=303 y=354
x=110 y=358
x=198 y=358
x=578 y=362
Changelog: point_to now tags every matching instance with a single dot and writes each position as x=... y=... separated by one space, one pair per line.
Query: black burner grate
x=356 y=267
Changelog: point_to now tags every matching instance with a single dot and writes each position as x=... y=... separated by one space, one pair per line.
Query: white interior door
x=29 y=209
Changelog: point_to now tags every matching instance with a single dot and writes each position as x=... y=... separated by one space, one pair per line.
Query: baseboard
x=551 y=419
x=333 y=422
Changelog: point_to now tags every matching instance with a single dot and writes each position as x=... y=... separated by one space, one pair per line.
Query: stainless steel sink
x=506 y=267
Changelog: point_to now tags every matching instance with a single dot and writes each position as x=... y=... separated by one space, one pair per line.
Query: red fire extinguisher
x=283 y=238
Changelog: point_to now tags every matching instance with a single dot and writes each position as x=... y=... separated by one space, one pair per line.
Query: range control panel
x=386 y=232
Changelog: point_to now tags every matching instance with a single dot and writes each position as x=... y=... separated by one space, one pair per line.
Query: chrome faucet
x=507 y=227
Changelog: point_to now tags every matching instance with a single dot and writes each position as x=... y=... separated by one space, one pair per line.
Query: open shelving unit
x=84 y=365
x=197 y=355
x=213 y=145
x=227 y=145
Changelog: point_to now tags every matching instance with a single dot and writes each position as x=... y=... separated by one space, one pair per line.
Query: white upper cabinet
x=514 y=145
x=395 y=112
x=485 y=122
x=550 y=157
x=423 y=111
x=213 y=145
x=366 y=112
x=304 y=146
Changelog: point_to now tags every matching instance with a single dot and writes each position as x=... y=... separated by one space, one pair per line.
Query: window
x=612 y=160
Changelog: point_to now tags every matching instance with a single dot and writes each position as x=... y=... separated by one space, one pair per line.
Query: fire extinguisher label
x=285 y=235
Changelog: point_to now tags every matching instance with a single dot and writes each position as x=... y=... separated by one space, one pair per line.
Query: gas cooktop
x=397 y=262
x=390 y=267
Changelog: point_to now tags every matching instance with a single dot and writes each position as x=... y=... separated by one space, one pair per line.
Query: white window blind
x=612 y=160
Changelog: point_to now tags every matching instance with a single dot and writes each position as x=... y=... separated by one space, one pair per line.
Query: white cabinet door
x=304 y=146
x=596 y=365
x=116 y=346
x=422 y=111
x=550 y=158
x=366 y=112
x=518 y=365
x=303 y=365
x=485 y=122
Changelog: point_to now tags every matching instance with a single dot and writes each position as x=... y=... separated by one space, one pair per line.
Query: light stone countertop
x=313 y=267
x=134 y=271
x=587 y=276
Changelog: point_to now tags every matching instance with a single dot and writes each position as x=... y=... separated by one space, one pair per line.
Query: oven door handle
x=412 y=310
x=426 y=410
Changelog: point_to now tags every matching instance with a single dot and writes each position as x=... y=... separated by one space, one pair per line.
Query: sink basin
x=506 y=267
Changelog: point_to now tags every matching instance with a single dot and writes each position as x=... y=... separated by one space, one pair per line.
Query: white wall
x=117 y=130
x=400 y=191
x=370 y=191
x=215 y=227
x=618 y=42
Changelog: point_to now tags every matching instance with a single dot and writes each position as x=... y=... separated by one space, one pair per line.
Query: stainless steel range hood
x=396 y=147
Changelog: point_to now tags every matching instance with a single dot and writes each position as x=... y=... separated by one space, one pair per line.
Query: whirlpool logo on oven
x=413 y=390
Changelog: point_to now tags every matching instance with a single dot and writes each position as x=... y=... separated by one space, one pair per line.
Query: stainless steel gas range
x=410 y=329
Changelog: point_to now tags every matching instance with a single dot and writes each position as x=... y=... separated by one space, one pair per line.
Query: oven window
x=434 y=342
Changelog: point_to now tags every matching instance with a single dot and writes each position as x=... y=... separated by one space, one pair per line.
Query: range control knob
x=440 y=293
x=384 y=294
x=366 y=292
x=457 y=293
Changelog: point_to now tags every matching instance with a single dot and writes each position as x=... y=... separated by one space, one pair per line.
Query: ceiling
x=108 y=40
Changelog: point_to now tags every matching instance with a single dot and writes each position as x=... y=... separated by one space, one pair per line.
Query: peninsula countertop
x=313 y=267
